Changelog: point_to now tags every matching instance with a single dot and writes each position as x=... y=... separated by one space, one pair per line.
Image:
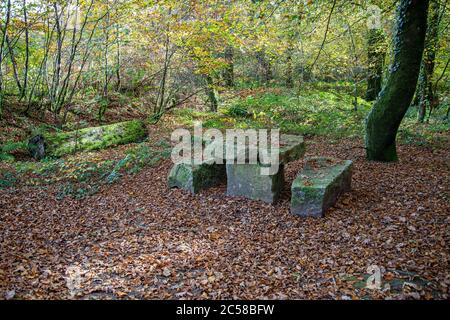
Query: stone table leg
x=245 y=180
x=196 y=177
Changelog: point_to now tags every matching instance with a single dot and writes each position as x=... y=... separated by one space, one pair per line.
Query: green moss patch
x=93 y=138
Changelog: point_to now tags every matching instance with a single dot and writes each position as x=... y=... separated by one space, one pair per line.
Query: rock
x=292 y=147
x=245 y=180
x=93 y=138
x=36 y=147
x=319 y=185
x=196 y=177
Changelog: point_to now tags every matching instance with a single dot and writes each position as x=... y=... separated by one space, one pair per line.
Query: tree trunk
x=425 y=94
x=265 y=67
x=2 y=43
x=27 y=52
x=392 y=103
x=104 y=103
x=212 y=95
x=289 y=67
x=118 y=83
x=228 y=74
x=376 y=53
x=14 y=63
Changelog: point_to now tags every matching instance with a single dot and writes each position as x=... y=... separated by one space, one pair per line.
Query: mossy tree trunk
x=393 y=101
x=289 y=72
x=228 y=74
x=4 y=29
x=211 y=93
x=265 y=67
x=376 y=52
x=424 y=94
x=289 y=64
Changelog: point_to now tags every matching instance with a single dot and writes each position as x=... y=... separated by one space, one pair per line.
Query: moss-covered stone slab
x=196 y=177
x=36 y=147
x=292 y=147
x=319 y=185
x=246 y=180
x=93 y=138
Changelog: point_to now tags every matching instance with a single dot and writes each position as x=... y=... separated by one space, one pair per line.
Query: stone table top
x=291 y=148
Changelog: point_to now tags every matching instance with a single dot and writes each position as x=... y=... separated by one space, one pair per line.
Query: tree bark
x=27 y=51
x=2 y=43
x=212 y=94
x=289 y=64
x=425 y=93
x=266 y=74
x=118 y=58
x=14 y=63
x=228 y=74
x=392 y=103
x=376 y=53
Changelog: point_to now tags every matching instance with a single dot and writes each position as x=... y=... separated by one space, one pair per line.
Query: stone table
x=243 y=180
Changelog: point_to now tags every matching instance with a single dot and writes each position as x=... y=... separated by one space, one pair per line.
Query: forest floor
x=110 y=216
x=137 y=239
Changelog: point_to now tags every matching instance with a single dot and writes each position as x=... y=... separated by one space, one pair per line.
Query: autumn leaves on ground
x=137 y=239
x=358 y=80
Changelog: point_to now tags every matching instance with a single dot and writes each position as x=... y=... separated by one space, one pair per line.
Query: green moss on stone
x=319 y=184
x=246 y=180
x=196 y=177
x=94 y=138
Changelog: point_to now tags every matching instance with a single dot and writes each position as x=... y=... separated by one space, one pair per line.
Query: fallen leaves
x=137 y=239
x=10 y=294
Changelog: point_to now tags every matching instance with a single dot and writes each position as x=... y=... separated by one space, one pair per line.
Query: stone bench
x=319 y=185
x=243 y=180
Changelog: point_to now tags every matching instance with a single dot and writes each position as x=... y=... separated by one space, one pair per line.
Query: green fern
x=9 y=147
